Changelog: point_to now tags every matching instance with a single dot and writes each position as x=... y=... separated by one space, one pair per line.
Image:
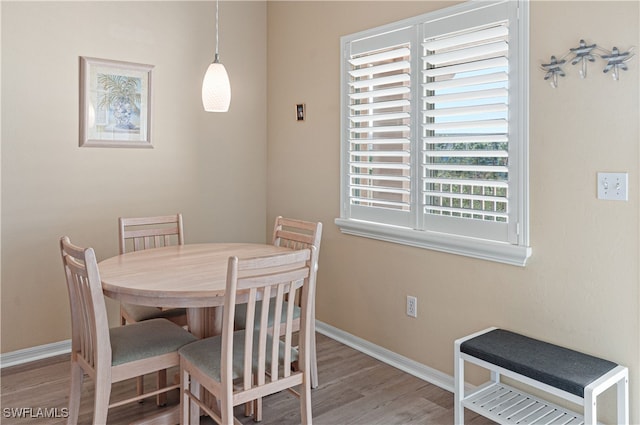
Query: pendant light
x=216 y=89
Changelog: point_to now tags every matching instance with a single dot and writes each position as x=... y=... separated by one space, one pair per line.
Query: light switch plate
x=613 y=186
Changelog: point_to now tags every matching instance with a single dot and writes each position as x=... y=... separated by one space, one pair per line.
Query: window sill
x=516 y=255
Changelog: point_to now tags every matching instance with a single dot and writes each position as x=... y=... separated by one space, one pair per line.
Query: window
x=434 y=131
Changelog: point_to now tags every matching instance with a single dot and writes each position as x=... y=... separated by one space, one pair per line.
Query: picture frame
x=115 y=103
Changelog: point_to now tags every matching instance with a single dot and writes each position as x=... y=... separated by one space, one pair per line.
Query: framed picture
x=115 y=103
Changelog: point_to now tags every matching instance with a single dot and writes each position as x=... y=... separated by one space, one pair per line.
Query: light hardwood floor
x=354 y=389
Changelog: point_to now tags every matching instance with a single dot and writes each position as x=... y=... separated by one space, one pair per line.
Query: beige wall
x=211 y=167
x=580 y=287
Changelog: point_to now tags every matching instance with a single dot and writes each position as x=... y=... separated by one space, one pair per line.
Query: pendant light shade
x=216 y=88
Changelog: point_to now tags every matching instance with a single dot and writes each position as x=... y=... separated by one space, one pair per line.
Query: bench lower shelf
x=507 y=405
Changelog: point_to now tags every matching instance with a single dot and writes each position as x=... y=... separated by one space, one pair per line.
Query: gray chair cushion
x=141 y=312
x=146 y=339
x=206 y=354
x=551 y=364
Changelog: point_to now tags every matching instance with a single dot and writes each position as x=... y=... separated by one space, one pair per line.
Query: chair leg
x=75 y=392
x=190 y=411
x=194 y=409
x=313 y=355
x=256 y=405
x=139 y=379
x=248 y=409
x=226 y=410
x=140 y=387
x=185 y=401
x=305 y=403
x=257 y=409
x=161 y=383
x=101 y=403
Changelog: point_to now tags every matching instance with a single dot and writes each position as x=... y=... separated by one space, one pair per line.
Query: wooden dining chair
x=138 y=233
x=295 y=234
x=242 y=366
x=110 y=355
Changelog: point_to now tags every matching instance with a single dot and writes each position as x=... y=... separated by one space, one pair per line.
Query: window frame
x=515 y=252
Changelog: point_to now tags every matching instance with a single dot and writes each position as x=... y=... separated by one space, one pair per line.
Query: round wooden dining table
x=192 y=276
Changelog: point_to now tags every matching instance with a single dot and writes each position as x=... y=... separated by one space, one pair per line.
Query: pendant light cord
x=217 y=56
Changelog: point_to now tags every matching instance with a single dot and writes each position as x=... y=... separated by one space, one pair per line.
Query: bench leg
x=619 y=376
x=623 y=400
x=458 y=395
x=590 y=407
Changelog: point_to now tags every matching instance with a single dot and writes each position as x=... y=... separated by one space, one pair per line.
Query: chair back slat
x=267 y=358
x=138 y=233
x=248 y=338
x=89 y=323
x=262 y=339
x=277 y=316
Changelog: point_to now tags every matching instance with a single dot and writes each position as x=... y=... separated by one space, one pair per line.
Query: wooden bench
x=571 y=375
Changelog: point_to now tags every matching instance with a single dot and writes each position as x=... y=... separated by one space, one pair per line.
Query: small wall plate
x=613 y=186
x=300 y=111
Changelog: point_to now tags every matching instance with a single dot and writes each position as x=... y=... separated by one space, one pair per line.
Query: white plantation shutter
x=465 y=123
x=378 y=132
x=434 y=131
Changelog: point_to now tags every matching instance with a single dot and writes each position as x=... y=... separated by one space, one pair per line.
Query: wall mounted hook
x=616 y=61
x=553 y=68
x=583 y=55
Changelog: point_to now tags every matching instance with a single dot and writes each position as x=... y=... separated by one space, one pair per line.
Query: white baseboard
x=27 y=355
x=405 y=364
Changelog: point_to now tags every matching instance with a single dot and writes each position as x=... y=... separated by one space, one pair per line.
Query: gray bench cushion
x=559 y=367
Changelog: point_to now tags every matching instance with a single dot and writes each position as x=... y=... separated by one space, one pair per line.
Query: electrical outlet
x=412 y=306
